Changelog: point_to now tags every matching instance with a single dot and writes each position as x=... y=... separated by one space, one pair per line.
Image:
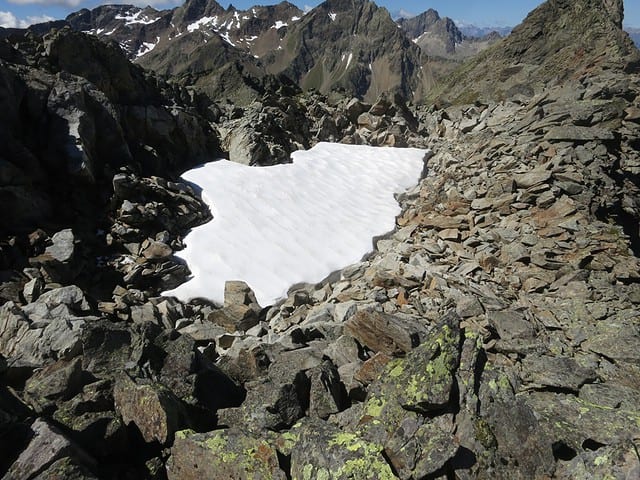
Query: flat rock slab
x=384 y=333
x=578 y=134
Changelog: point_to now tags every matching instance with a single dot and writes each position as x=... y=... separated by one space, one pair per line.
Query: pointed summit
x=559 y=41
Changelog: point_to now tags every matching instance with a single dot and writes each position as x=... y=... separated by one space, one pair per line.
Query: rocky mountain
x=350 y=45
x=548 y=47
x=231 y=52
x=493 y=333
x=634 y=33
x=440 y=37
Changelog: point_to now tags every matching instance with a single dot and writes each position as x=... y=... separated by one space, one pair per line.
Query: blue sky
x=483 y=13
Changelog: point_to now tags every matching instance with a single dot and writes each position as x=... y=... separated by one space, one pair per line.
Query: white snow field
x=275 y=227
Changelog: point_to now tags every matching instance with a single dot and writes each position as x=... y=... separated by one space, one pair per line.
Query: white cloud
x=8 y=20
x=35 y=19
x=66 y=3
x=402 y=13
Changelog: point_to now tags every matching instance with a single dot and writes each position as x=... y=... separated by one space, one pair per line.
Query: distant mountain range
x=345 y=45
x=349 y=46
x=634 y=33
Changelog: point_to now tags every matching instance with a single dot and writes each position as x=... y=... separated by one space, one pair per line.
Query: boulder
x=221 y=455
x=58 y=381
x=47 y=446
x=321 y=450
x=388 y=334
x=152 y=408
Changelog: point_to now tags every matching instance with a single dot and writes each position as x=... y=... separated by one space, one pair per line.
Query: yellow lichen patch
x=366 y=467
x=182 y=434
x=396 y=368
x=374 y=406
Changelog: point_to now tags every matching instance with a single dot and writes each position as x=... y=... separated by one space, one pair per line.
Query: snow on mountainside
x=352 y=46
x=136 y=29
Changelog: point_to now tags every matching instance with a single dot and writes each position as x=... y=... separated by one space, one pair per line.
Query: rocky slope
x=558 y=41
x=493 y=334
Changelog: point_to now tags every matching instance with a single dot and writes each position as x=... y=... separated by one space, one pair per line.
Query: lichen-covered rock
x=221 y=455
x=58 y=381
x=424 y=380
x=153 y=408
x=322 y=451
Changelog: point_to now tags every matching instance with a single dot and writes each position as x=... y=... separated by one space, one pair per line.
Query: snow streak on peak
x=132 y=18
x=278 y=226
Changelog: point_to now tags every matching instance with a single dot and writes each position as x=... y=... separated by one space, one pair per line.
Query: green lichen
x=375 y=406
x=484 y=434
x=286 y=442
x=353 y=443
x=307 y=472
x=598 y=461
x=396 y=369
x=183 y=434
x=215 y=443
x=366 y=467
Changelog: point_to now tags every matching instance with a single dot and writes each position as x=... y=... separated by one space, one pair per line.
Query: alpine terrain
x=493 y=333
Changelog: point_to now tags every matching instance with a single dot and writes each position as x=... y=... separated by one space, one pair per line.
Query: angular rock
x=222 y=455
x=46 y=447
x=388 y=334
x=423 y=381
x=320 y=450
x=327 y=394
x=153 y=408
x=578 y=134
x=58 y=381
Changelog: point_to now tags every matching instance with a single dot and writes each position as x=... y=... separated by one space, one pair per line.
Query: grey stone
x=47 y=445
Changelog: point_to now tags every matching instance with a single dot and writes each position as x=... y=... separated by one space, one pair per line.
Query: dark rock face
x=323 y=57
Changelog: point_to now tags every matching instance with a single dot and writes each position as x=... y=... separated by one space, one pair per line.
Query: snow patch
x=279 y=24
x=202 y=22
x=132 y=18
x=333 y=16
x=295 y=19
x=146 y=47
x=226 y=38
x=277 y=226
x=349 y=59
